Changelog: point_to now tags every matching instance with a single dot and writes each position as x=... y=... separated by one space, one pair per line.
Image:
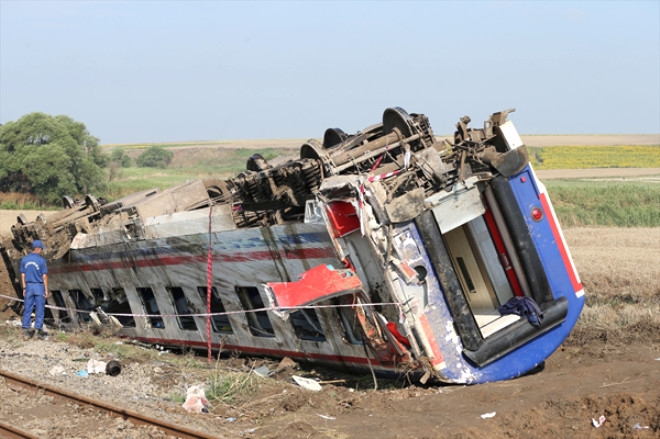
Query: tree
x=155 y=157
x=116 y=154
x=120 y=157
x=50 y=156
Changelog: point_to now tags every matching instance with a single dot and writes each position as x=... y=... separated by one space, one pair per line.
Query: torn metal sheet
x=318 y=283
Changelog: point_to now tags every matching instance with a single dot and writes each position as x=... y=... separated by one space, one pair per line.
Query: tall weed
x=597 y=203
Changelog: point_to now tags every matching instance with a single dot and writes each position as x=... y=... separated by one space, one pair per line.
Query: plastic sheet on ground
x=307 y=383
x=96 y=366
x=196 y=401
x=57 y=370
x=599 y=422
x=639 y=426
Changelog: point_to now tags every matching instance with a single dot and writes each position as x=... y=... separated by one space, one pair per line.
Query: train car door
x=480 y=274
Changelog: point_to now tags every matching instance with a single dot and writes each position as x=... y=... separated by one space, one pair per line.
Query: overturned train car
x=386 y=250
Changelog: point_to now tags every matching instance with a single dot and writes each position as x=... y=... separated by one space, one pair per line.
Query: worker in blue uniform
x=34 y=278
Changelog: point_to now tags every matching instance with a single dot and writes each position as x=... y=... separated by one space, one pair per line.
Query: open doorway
x=481 y=274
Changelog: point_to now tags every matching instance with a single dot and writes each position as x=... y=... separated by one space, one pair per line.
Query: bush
x=155 y=157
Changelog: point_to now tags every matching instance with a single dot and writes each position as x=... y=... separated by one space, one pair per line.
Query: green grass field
x=605 y=203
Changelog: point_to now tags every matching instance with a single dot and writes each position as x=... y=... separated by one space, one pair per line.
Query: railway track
x=65 y=397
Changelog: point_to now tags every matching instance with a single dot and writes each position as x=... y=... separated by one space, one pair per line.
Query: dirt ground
x=609 y=366
x=638 y=174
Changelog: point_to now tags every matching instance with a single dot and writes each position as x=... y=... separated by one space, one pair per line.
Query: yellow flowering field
x=585 y=157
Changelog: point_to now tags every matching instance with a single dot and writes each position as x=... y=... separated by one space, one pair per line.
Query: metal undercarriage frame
x=402 y=148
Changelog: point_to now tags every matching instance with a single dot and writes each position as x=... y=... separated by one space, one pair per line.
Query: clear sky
x=164 y=71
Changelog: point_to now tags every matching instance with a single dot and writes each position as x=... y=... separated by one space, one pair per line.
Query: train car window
x=220 y=321
x=258 y=321
x=349 y=321
x=151 y=306
x=306 y=325
x=83 y=304
x=98 y=295
x=181 y=304
x=62 y=314
x=117 y=305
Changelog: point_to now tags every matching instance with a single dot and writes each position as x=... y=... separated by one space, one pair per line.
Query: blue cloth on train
x=523 y=306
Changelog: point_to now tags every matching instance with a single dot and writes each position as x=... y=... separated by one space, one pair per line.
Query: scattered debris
x=638 y=426
x=599 y=422
x=286 y=364
x=488 y=415
x=307 y=383
x=95 y=366
x=282 y=372
x=82 y=373
x=57 y=370
x=196 y=401
x=113 y=368
x=262 y=371
x=326 y=416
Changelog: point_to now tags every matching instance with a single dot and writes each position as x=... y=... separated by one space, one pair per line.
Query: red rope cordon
x=226 y=313
x=209 y=281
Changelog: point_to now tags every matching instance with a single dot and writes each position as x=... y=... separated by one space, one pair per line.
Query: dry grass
x=18 y=198
x=620 y=271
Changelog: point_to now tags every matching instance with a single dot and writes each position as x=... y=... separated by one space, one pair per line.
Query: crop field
x=586 y=157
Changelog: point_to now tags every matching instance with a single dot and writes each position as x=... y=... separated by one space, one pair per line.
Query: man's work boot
x=42 y=334
x=29 y=333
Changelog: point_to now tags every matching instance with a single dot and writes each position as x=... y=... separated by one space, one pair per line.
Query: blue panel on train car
x=527 y=193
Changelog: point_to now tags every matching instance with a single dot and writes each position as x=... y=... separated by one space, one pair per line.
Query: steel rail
x=133 y=417
x=10 y=432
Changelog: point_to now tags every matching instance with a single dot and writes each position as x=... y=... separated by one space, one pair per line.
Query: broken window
x=151 y=306
x=98 y=295
x=258 y=321
x=307 y=325
x=62 y=314
x=349 y=320
x=117 y=306
x=219 y=323
x=181 y=304
x=83 y=304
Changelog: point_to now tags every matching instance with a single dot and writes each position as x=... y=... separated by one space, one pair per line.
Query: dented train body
x=387 y=249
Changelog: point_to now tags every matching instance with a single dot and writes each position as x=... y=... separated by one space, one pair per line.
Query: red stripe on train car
x=312 y=253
